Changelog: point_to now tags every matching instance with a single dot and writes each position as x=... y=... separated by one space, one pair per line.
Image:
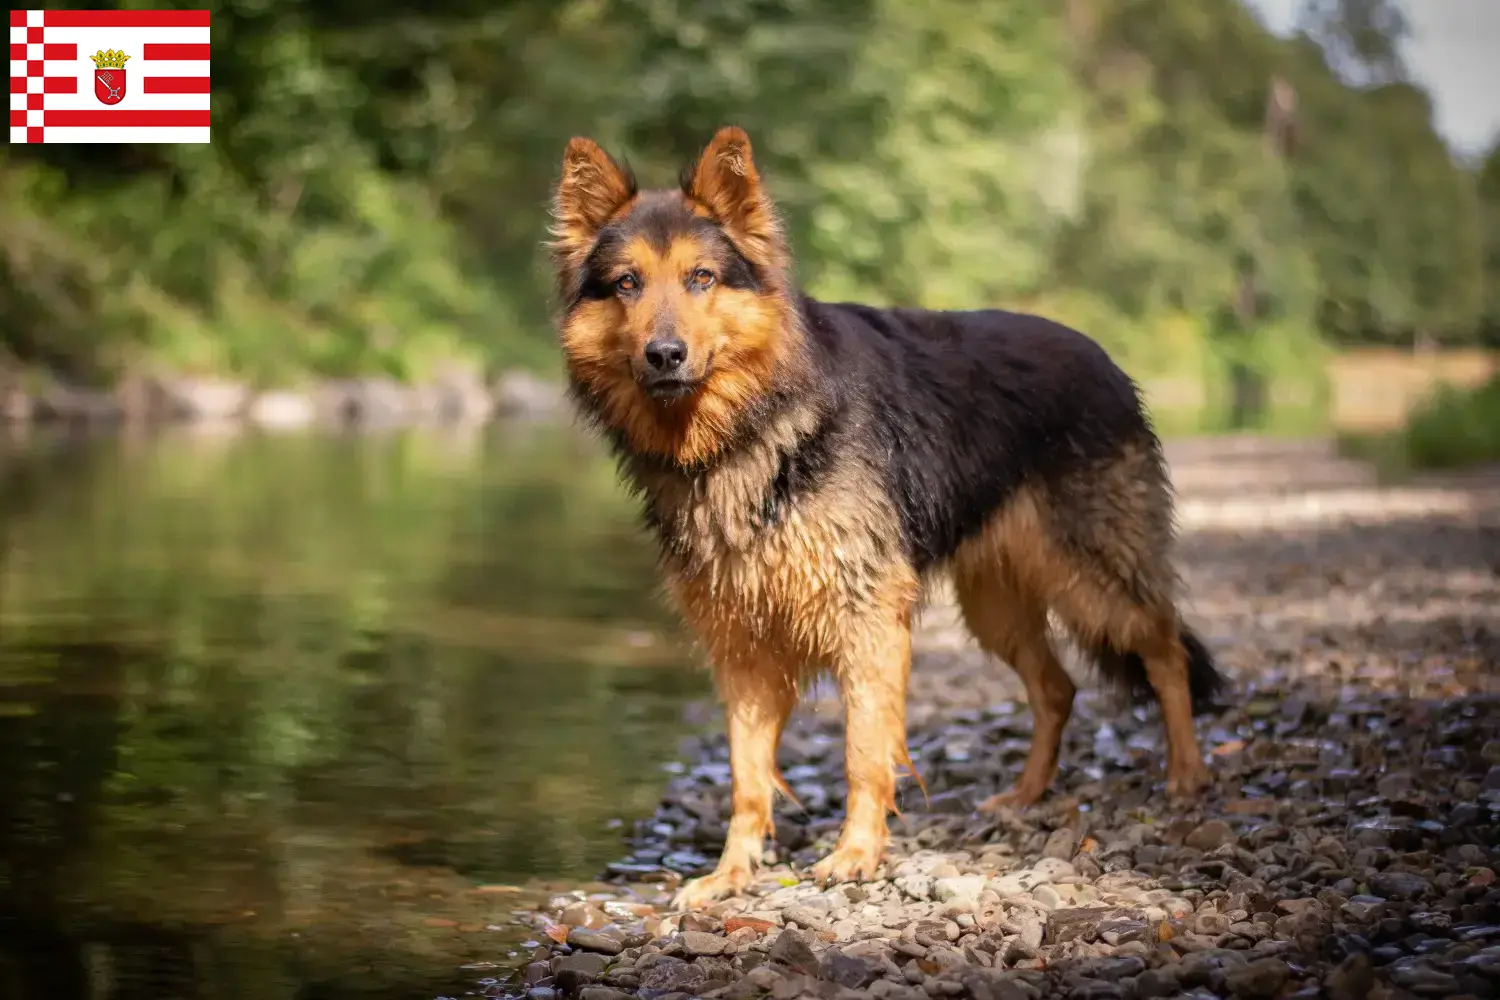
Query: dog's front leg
x=872 y=679
x=758 y=696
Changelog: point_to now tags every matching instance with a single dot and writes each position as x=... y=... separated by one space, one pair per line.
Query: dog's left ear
x=725 y=182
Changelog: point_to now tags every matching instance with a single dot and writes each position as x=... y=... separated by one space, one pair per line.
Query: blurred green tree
x=374 y=198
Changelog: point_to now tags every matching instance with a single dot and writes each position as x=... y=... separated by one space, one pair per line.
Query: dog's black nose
x=665 y=354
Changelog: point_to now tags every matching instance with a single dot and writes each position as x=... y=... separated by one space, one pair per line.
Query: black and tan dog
x=806 y=467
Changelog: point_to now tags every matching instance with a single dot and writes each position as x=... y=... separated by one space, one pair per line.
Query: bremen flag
x=109 y=76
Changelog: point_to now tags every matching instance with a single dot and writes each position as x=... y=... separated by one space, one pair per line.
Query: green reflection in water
x=273 y=708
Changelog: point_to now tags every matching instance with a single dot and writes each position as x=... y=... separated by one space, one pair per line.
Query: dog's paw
x=849 y=863
x=1017 y=798
x=1185 y=785
x=717 y=885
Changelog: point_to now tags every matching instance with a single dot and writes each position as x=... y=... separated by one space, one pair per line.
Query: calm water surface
x=288 y=717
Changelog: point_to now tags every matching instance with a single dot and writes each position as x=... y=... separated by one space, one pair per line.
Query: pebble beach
x=1348 y=848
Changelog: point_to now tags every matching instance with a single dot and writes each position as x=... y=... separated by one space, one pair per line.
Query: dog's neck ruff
x=793 y=432
x=747 y=490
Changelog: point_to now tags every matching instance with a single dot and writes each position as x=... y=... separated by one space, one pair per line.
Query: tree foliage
x=374 y=197
x=1488 y=184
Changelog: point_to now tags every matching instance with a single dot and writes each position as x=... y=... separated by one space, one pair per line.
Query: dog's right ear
x=593 y=187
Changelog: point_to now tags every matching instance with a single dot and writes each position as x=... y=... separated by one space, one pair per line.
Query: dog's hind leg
x=759 y=695
x=1011 y=623
x=1168 y=655
x=1107 y=574
x=1145 y=651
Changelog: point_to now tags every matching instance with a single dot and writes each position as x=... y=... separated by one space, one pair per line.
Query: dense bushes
x=375 y=193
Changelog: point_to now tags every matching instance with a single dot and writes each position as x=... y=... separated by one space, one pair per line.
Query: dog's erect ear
x=592 y=188
x=725 y=182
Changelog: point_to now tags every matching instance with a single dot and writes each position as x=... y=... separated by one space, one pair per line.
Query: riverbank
x=459 y=396
x=1369 y=391
x=1348 y=849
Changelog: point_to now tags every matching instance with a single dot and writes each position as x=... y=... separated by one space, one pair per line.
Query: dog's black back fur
x=969 y=405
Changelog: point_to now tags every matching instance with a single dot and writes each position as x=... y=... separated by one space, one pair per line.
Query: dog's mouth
x=672 y=387
x=670 y=390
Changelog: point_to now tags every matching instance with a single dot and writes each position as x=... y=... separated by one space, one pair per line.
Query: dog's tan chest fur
x=790 y=576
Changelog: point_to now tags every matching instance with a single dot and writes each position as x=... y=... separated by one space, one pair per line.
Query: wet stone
x=1209 y=967
x=1400 y=885
x=1112 y=968
x=1261 y=979
x=806 y=917
x=1048 y=896
x=1352 y=979
x=586 y=940
x=673 y=975
x=1421 y=978
x=1031 y=930
x=849 y=971
x=585 y=915
x=1159 y=982
x=959 y=889
x=1019 y=883
x=705 y=922
x=1123 y=929
x=792 y=951
x=1061 y=844
x=917 y=886
x=1080 y=924
x=756 y=925
x=1093 y=989
x=1053 y=869
x=604 y=993
x=703 y=943
x=573 y=972
x=1211 y=924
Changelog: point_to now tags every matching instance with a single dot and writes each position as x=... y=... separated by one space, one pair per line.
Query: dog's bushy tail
x=1127 y=671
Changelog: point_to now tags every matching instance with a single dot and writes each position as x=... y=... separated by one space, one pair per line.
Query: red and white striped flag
x=109 y=76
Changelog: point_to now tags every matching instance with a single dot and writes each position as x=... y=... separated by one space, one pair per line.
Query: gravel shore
x=1347 y=850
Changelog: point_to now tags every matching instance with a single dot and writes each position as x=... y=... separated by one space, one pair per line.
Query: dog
x=807 y=468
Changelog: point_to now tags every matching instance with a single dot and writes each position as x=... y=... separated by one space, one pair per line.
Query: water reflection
x=295 y=717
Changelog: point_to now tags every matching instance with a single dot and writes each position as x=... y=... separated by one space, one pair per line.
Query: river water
x=308 y=716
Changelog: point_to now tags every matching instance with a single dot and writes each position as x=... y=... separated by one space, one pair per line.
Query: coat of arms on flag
x=109 y=75
x=148 y=70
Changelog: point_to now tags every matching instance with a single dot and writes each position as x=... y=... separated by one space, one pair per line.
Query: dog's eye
x=627 y=283
x=702 y=278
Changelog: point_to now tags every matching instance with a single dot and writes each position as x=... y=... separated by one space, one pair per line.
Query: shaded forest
x=1189 y=188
